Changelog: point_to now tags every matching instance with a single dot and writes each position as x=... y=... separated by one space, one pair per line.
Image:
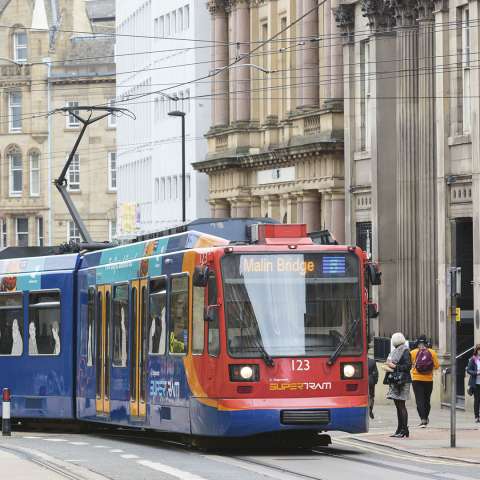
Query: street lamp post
x=178 y=113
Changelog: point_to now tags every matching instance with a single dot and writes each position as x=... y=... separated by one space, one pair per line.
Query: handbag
x=394 y=378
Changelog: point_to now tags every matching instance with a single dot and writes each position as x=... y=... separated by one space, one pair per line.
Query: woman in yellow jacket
x=424 y=362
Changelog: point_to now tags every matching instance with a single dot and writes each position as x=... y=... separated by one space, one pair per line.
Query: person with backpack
x=372 y=381
x=473 y=370
x=424 y=362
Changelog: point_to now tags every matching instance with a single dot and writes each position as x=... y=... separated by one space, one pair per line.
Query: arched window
x=19 y=44
x=14 y=156
x=34 y=158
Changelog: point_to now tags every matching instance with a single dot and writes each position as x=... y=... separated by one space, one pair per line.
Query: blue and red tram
x=194 y=334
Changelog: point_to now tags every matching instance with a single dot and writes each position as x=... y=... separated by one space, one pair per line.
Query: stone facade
x=275 y=147
x=44 y=66
x=411 y=136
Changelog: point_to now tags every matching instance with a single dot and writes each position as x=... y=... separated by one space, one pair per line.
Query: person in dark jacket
x=473 y=369
x=372 y=381
x=398 y=378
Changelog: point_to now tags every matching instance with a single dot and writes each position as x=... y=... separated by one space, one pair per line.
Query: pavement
x=433 y=441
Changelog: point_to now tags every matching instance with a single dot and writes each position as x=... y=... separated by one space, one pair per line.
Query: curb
x=470 y=461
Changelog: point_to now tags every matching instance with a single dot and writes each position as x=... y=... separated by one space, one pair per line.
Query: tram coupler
x=6 y=422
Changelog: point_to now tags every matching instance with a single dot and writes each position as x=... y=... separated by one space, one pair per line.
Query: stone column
x=299 y=54
x=338 y=216
x=311 y=211
x=242 y=207
x=243 y=73
x=231 y=10
x=336 y=60
x=442 y=123
x=273 y=206
x=426 y=233
x=310 y=69
x=291 y=208
x=221 y=86
x=407 y=157
x=326 y=211
x=345 y=18
x=222 y=208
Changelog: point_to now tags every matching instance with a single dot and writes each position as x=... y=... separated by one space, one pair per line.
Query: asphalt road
x=125 y=455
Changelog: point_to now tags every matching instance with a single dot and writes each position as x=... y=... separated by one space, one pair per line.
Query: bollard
x=6 y=424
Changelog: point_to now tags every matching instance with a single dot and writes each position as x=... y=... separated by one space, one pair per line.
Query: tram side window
x=120 y=325
x=44 y=323
x=198 y=322
x=11 y=324
x=178 y=314
x=157 y=327
x=213 y=325
x=90 y=326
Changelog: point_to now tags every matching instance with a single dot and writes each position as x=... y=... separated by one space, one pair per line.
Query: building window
x=40 y=234
x=364 y=237
x=16 y=172
x=20 y=47
x=73 y=233
x=34 y=174
x=112 y=230
x=15 y=111
x=22 y=231
x=161 y=31
x=157 y=189
x=162 y=188
x=3 y=232
x=72 y=122
x=186 y=17
x=187 y=186
x=167 y=24
x=364 y=96
x=180 y=19
x=466 y=50
x=74 y=173
x=112 y=118
x=112 y=171
x=187 y=101
x=173 y=27
x=175 y=188
x=169 y=188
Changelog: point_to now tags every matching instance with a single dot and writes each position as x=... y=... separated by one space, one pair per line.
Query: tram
x=192 y=333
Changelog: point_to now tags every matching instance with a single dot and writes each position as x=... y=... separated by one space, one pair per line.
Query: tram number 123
x=300 y=365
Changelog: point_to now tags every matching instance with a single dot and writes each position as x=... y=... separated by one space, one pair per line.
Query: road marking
x=116 y=450
x=78 y=443
x=73 y=460
x=129 y=456
x=33 y=437
x=54 y=439
x=174 y=472
x=253 y=467
x=100 y=446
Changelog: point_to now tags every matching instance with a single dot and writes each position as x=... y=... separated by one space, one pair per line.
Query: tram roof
x=9 y=266
x=152 y=247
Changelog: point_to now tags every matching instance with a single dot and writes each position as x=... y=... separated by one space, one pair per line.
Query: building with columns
x=275 y=146
x=50 y=58
x=412 y=158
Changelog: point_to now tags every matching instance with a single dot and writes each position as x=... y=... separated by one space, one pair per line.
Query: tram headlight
x=244 y=373
x=351 y=371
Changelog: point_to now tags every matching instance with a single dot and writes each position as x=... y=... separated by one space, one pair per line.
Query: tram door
x=103 y=348
x=138 y=363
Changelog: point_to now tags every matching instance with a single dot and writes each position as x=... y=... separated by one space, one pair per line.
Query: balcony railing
x=221 y=143
x=311 y=125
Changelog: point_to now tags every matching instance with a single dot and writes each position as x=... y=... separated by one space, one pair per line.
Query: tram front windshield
x=300 y=304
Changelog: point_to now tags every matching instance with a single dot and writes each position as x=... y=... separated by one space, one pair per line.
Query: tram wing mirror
x=210 y=313
x=200 y=276
x=372 y=310
x=374 y=274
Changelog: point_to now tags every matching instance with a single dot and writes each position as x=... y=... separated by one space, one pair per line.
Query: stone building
x=49 y=58
x=275 y=147
x=412 y=157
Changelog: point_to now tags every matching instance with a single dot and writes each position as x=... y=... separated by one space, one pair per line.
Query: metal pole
x=455 y=291
x=6 y=423
x=184 y=216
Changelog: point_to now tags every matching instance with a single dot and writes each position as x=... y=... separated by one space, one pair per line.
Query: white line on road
x=174 y=472
x=100 y=446
x=129 y=456
x=116 y=450
x=33 y=437
x=54 y=439
x=78 y=443
x=453 y=476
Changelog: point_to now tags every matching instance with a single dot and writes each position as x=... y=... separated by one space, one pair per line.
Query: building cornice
x=405 y=12
x=345 y=19
x=379 y=14
x=283 y=156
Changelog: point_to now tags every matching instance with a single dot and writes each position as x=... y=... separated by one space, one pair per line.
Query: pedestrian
x=424 y=361
x=473 y=369
x=372 y=381
x=397 y=377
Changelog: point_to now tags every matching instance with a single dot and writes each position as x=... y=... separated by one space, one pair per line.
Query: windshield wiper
x=341 y=346
x=267 y=358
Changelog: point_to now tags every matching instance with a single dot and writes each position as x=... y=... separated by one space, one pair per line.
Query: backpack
x=424 y=361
